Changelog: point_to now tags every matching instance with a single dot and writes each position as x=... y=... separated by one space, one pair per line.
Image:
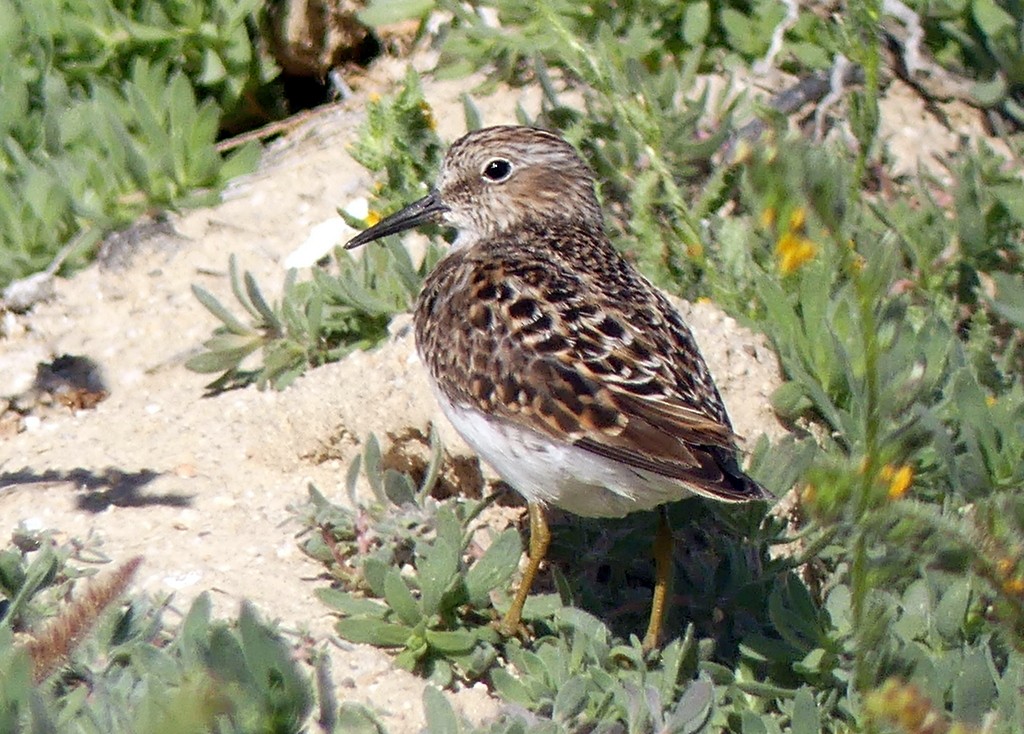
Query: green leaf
x=917 y=605
x=814 y=661
x=374 y=571
x=790 y=401
x=213 y=69
x=233 y=343
x=439 y=713
x=224 y=655
x=40 y=571
x=354 y=718
x=210 y=362
x=273 y=668
x=1008 y=300
x=352 y=477
x=739 y=30
x=373 y=631
x=678 y=658
x=952 y=609
x=993 y=20
x=693 y=710
x=16 y=687
x=240 y=162
x=792 y=611
x=438 y=564
x=1011 y=196
x=349 y=605
x=511 y=688
x=974 y=691
x=433 y=467
x=541 y=606
x=494 y=568
x=217 y=309
x=990 y=93
x=252 y=289
x=696 y=23
x=387 y=12
x=752 y=723
x=400 y=599
x=805 y=719
x=371 y=464
x=449 y=525
x=398 y=487
x=451 y=642
x=571 y=699
x=235 y=279
x=195 y=627
x=471 y=112
x=439 y=672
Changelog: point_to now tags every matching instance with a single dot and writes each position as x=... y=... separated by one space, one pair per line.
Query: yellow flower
x=794 y=251
x=767 y=218
x=1014 y=587
x=899 y=479
x=797 y=219
x=905 y=706
x=372 y=217
x=373 y=97
x=428 y=115
x=991 y=400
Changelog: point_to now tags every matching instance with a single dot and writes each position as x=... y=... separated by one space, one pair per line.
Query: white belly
x=559 y=474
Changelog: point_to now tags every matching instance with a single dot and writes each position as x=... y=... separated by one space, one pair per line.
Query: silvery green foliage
x=112 y=110
x=323 y=318
x=133 y=673
x=316 y=321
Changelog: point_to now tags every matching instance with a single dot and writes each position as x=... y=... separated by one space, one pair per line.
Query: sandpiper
x=557 y=362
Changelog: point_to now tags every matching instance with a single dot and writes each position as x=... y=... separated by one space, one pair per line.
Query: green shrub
x=322 y=319
x=111 y=110
x=103 y=665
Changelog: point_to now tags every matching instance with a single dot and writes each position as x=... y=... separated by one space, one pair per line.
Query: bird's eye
x=497 y=170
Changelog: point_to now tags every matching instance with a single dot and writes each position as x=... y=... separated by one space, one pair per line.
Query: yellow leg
x=663 y=575
x=540 y=538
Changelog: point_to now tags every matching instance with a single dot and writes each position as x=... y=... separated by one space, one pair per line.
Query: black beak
x=419 y=212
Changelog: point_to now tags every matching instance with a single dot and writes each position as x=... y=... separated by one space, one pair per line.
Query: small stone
x=184 y=580
x=185 y=471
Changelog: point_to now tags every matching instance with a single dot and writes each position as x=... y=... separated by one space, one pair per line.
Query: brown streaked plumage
x=554 y=358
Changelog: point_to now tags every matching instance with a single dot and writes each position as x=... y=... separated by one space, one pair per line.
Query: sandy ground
x=200 y=485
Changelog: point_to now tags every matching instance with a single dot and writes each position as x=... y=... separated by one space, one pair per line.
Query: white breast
x=550 y=472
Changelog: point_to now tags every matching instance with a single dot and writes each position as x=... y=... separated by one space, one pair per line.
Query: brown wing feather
x=663 y=437
x=606 y=364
